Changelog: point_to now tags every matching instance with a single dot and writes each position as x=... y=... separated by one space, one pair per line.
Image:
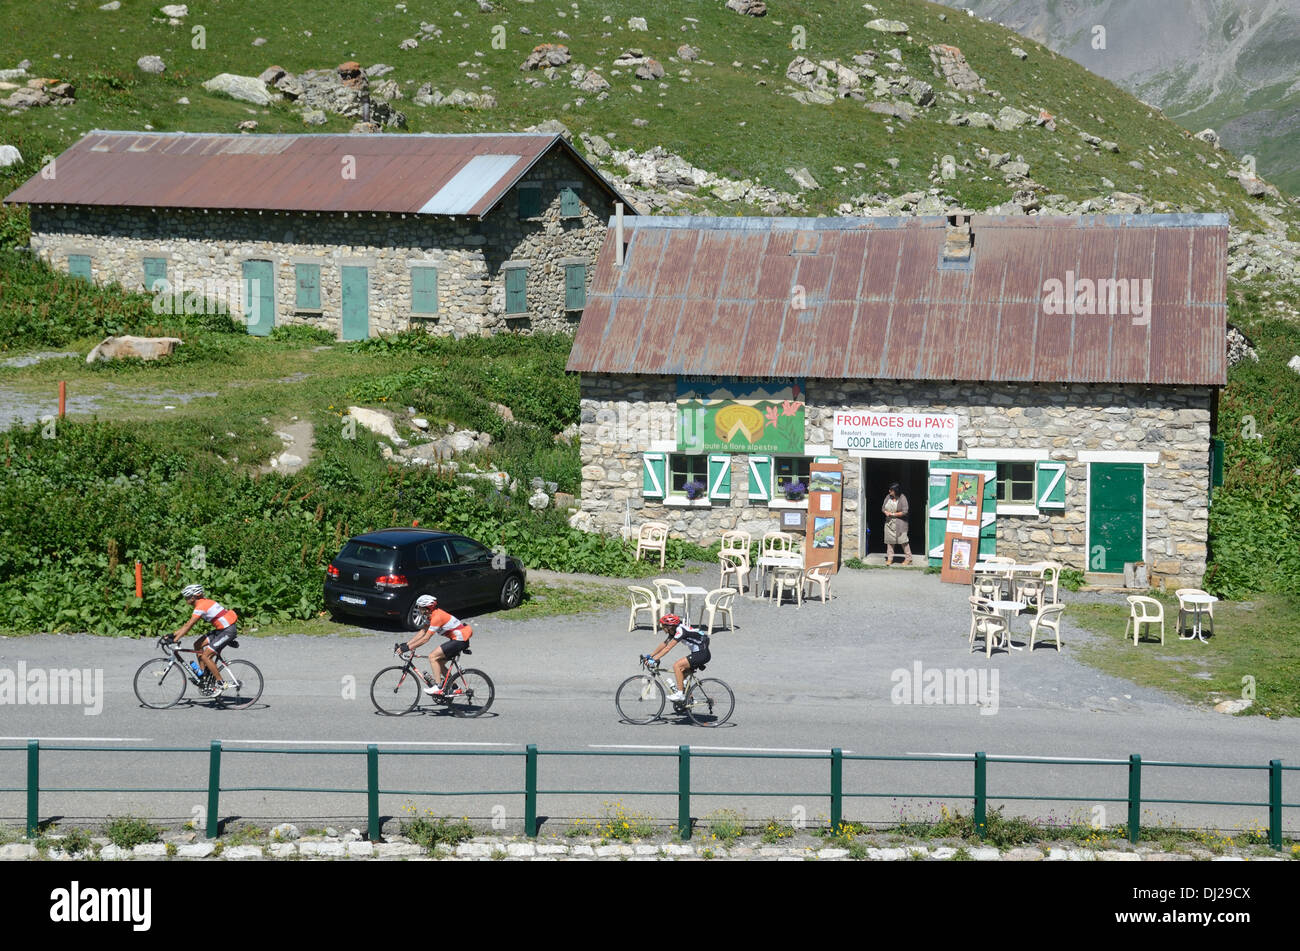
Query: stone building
x=1075 y=362
x=356 y=234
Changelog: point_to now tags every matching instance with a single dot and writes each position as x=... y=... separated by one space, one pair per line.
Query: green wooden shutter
x=79 y=266
x=570 y=204
x=306 y=286
x=424 y=290
x=530 y=201
x=155 y=269
x=1216 y=462
x=654 y=474
x=720 y=476
x=516 y=290
x=760 y=477
x=575 y=286
x=938 y=511
x=1051 y=485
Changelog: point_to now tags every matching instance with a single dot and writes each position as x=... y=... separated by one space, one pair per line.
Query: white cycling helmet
x=425 y=601
x=192 y=591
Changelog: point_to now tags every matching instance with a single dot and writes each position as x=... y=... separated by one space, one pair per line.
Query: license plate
x=346 y=600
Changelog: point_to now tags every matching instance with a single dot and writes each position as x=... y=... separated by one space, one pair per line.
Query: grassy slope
x=722 y=120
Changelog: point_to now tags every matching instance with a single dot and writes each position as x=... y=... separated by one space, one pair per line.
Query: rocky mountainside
x=1226 y=64
x=692 y=106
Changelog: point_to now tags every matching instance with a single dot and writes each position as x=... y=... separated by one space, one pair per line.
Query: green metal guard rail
x=531 y=790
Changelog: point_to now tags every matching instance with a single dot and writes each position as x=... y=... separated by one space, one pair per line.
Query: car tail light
x=332 y=571
x=390 y=581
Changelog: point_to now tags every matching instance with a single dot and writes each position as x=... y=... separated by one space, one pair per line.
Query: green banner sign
x=740 y=417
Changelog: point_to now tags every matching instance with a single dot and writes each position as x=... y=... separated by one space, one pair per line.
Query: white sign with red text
x=926 y=432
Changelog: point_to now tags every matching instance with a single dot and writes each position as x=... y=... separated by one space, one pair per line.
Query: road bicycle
x=160 y=683
x=397 y=690
x=641 y=698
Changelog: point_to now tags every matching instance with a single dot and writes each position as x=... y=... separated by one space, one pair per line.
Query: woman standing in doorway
x=895 y=511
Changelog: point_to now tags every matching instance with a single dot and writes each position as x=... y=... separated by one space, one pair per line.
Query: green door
x=356 y=303
x=259 y=297
x=1115 y=501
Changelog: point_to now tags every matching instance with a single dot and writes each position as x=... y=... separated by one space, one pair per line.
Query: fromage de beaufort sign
x=926 y=432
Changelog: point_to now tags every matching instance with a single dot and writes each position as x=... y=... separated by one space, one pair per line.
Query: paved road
x=806 y=679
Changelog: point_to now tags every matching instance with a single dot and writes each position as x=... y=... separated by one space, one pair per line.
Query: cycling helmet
x=425 y=601
x=192 y=591
x=670 y=620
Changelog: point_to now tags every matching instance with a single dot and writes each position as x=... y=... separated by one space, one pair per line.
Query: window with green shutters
x=530 y=201
x=517 y=290
x=570 y=203
x=575 y=286
x=1016 y=483
x=424 y=290
x=155 y=270
x=307 y=287
x=79 y=266
x=686 y=468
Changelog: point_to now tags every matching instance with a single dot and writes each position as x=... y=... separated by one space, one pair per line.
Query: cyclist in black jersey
x=697 y=643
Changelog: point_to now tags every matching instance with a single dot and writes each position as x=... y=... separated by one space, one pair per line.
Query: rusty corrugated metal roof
x=718 y=297
x=413 y=174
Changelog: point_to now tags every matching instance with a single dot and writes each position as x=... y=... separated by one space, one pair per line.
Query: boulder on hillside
x=546 y=55
x=9 y=155
x=377 y=422
x=952 y=65
x=1208 y=135
x=749 y=8
x=244 y=88
x=888 y=26
x=139 y=348
x=151 y=64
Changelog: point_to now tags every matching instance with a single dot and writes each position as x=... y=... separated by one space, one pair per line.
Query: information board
x=825 y=501
x=961 y=538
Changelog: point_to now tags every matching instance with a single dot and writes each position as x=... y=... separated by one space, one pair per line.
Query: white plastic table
x=694 y=591
x=1200 y=604
x=788 y=559
x=1011 y=607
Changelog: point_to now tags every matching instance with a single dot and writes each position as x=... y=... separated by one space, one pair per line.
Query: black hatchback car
x=380 y=574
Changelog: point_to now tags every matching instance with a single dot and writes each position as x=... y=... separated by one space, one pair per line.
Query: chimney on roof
x=618 y=233
x=959 y=240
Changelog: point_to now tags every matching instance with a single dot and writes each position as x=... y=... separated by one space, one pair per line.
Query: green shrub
x=302 y=334
x=126 y=832
x=429 y=833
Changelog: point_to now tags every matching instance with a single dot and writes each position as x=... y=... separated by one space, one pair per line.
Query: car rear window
x=372 y=556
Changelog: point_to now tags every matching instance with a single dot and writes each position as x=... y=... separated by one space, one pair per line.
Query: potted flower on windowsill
x=795 y=491
x=694 y=490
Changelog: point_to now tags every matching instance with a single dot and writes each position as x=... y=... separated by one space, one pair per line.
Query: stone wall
x=622 y=417
x=209 y=247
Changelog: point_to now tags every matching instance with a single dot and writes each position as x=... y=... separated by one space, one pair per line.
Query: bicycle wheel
x=243 y=683
x=470 y=693
x=709 y=702
x=639 y=699
x=159 y=683
x=395 y=690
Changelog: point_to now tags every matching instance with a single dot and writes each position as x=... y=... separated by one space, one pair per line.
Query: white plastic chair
x=783 y=579
x=653 y=537
x=1049 y=617
x=984 y=620
x=718 y=602
x=643 y=599
x=1031 y=588
x=1051 y=580
x=734 y=564
x=1144 y=610
x=819 y=575
x=670 y=591
x=736 y=540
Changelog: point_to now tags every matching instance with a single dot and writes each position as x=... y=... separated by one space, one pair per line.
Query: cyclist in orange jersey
x=224 y=630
